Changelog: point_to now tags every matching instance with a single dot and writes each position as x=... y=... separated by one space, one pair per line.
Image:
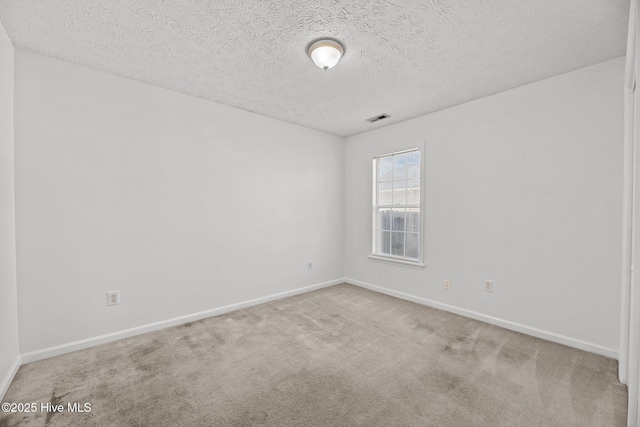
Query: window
x=396 y=206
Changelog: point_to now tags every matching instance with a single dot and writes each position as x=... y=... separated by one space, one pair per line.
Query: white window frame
x=394 y=259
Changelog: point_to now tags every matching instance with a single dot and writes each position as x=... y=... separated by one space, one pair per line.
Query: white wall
x=181 y=204
x=124 y=186
x=524 y=188
x=9 y=358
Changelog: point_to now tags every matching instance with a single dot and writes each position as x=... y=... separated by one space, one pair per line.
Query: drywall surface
x=181 y=204
x=523 y=188
x=9 y=358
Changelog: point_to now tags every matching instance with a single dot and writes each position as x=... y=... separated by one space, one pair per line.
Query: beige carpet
x=341 y=356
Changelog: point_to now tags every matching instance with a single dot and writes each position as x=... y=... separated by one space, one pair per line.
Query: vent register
x=378 y=117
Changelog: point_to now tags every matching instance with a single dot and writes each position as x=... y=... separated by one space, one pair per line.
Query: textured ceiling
x=403 y=57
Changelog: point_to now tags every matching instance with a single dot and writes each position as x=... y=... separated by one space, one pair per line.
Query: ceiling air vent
x=379 y=117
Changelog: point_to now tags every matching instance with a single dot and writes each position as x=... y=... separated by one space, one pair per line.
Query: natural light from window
x=396 y=206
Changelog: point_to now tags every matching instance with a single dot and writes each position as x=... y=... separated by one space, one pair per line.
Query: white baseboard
x=528 y=330
x=58 y=350
x=103 y=339
x=6 y=381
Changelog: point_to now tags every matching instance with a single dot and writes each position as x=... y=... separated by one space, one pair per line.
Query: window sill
x=397 y=261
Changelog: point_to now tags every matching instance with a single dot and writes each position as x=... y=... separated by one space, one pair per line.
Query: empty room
x=319 y=213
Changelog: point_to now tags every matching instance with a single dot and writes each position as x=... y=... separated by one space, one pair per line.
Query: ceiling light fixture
x=325 y=52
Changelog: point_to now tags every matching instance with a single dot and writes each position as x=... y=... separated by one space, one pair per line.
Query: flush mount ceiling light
x=325 y=52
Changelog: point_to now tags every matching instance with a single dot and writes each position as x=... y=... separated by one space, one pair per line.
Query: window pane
x=412 y=248
x=398 y=219
x=413 y=158
x=397 y=243
x=397 y=228
x=413 y=192
x=400 y=166
x=413 y=220
x=399 y=192
x=385 y=165
x=385 y=193
x=413 y=171
x=384 y=219
x=384 y=246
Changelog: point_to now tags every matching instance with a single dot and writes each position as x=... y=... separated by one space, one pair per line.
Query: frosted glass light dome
x=325 y=53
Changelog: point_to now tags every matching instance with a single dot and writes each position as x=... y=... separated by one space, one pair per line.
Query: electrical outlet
x=309 y=265
x=447 y=285
x=113 y=298
x=488 y=285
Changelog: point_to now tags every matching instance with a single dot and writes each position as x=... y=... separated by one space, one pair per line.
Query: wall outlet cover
x=488 y=285
x=113 y=298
